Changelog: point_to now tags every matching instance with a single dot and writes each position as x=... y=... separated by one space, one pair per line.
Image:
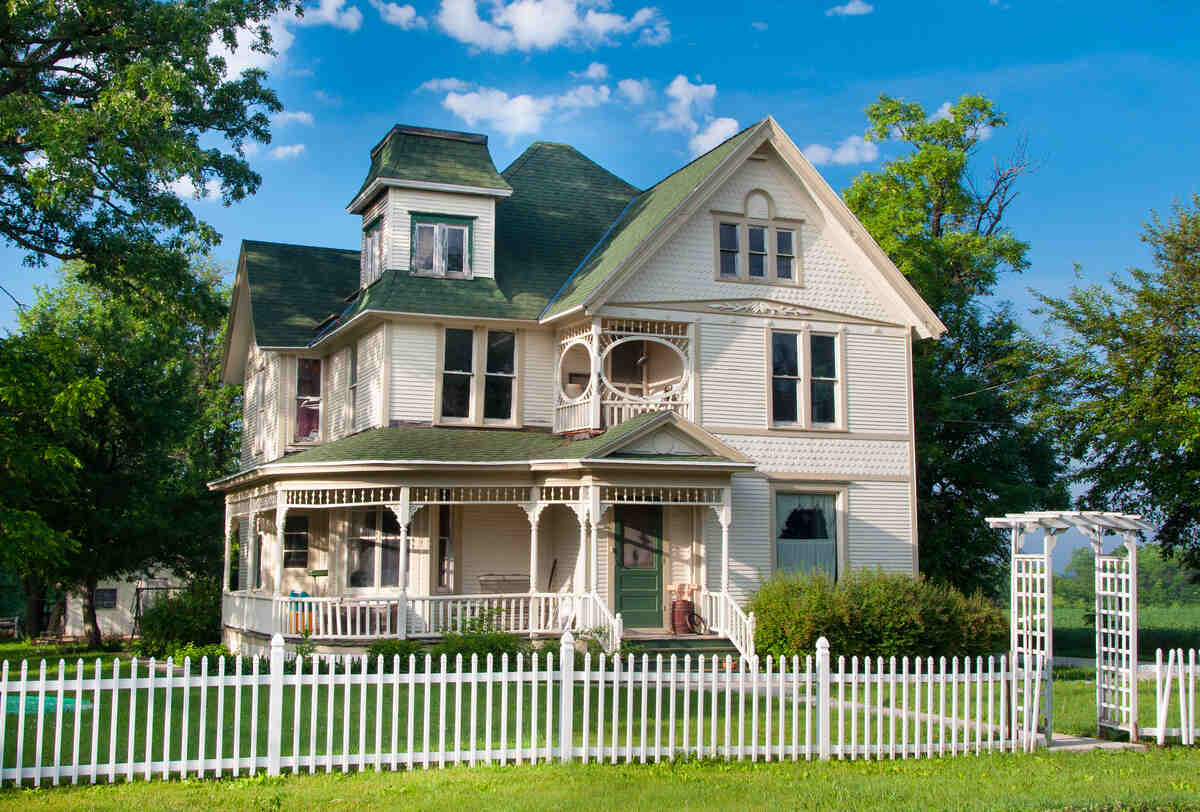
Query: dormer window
x=441 y=245
x=372 y=251
x=756 y=245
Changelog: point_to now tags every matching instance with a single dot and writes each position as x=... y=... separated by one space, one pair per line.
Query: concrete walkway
x=1145 y=670
x=1065 y=743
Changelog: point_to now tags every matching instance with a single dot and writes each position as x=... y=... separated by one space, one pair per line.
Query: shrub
x=388 y=649
x=871 y=613
x=479 y=637
x=191 y=615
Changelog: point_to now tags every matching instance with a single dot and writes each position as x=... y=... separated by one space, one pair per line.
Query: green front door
x=638 y=533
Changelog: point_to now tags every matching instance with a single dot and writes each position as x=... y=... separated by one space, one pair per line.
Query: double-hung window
x=373 y=550
x=441 y=245
x=728 y=267
x=445 y=549
x=805 y=382
x=308 y=401
x=501 y=375
x=352 y=389
x=458 y=373
x=295 y=542
x=757 y=247
x=479 y=375
x=785 y=256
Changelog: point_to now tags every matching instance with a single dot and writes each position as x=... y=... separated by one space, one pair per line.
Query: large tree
x=108 y=108
x=1120 y=381
x=122 y=489
x=977 y=454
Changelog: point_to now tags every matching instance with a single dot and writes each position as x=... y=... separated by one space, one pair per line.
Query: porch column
x=281 y=511
x=226 y=530
x=580 y=580
x=725 y=517
x=403 y=512
x=594 y=409
x=533 y=511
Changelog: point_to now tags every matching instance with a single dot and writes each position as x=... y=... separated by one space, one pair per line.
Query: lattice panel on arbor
x=1031 y=595
x=1116 y=641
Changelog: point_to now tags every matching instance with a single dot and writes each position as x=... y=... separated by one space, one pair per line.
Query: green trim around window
x=417 y=218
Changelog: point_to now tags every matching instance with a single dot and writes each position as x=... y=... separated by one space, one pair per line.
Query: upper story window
x=441 y=245
x=805 y=381
x=308 y=401
x=372 y=250
x=755 y=245
x=352 y=388
x=479 y=375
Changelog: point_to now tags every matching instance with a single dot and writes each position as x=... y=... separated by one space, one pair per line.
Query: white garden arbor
x=1031 y=625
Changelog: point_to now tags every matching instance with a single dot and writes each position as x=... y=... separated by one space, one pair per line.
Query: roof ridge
x=246 y=241
x=521 y=159
x=699 y=157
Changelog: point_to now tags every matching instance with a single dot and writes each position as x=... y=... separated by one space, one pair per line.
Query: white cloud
x=511 y=115
x=249 y=148
x=241 y=57
x=853 y=8
x=718 y=130
x=284 y=152
x=443 y=85
x=186 y=189
x=758 y=26
x=636 y=90
x=852 y=150
x=298 y=117
x=332 y=12
x=405 y=17
x=584 y=96
x=327 y=98
x=687 y=102
x=943 y=113
x=596 y=72
x=538 y=25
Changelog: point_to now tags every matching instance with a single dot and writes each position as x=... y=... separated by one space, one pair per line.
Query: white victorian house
x=546 y=392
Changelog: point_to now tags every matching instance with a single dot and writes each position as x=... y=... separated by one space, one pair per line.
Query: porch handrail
x=725 y=616
x=594 y=617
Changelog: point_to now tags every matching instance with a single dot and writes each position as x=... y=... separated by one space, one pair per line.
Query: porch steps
x=697 y=645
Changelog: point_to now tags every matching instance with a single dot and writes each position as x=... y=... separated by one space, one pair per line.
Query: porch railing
x=724 y=616
x=595 y=618
x=536 y=613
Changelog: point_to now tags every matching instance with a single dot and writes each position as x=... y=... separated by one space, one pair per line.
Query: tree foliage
x=977 y=455
x=1120 y=380
x=109 y=436
x=1162 y=580
x=107 y=108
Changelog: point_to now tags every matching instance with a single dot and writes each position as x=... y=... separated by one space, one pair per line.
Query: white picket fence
x=1175 y=680
x=325 y=714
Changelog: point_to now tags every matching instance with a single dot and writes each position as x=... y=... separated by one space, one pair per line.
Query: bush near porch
x=876 y=614
x=190 y=616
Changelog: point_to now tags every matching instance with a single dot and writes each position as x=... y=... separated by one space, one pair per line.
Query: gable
x=665 y=442
x=833 y=279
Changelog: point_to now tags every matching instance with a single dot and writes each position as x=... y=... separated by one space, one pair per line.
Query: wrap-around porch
x=418 y=561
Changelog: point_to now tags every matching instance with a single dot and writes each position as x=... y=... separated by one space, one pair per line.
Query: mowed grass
x=1158 y=627
x=1159 y=779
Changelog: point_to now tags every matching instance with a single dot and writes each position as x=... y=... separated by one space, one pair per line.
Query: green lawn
x=1159 y=779
x=1159 y=627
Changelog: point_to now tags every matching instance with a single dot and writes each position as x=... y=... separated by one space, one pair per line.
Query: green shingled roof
x=293 y=288
x=434 y=156
x=465 y=445
x=640 y=220
x=562 y=203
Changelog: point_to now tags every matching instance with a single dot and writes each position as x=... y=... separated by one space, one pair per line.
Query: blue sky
x=1105 y=93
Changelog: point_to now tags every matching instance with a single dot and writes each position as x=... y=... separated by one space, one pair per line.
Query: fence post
x=566 y=716
x=275 y=706
x=823 y=748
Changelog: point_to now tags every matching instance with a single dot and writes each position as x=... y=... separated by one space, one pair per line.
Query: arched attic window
x=755 y=244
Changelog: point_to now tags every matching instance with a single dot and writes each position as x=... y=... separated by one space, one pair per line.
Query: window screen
x=806 y=532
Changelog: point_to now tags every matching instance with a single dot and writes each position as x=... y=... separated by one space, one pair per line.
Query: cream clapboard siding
x=682 y=270
x=749 y=539
x=880 y=526
x=403 y=201
x=378 y=209
x=249 y=422
x=537 y=382
x=877 y=383
x=677 y=532
x=494 y=540
x=274 y=408
x=732 y=375
x=558 y=547
x=414 y=369
x=370 y=380
x=335 y=397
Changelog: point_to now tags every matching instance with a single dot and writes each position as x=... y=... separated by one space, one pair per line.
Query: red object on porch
x=681 y=616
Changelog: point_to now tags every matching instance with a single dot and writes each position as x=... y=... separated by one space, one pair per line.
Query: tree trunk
x=35 y=597
x=90 y=624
